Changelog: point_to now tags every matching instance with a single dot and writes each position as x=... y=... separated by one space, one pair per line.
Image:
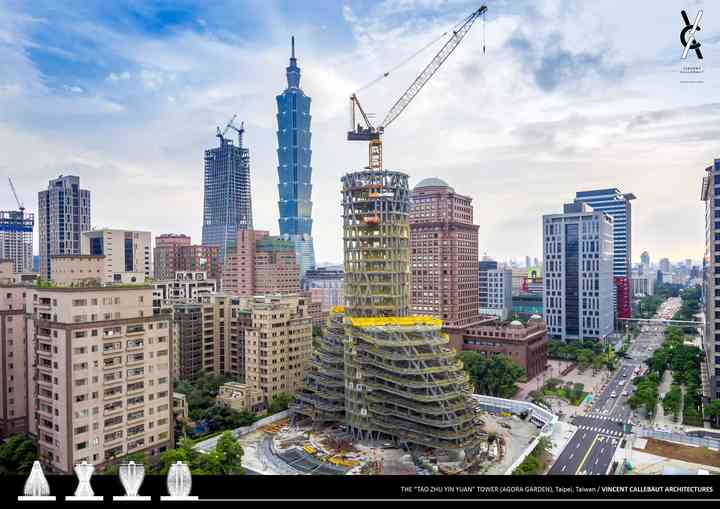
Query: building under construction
x=16 y=230
x=401 y=381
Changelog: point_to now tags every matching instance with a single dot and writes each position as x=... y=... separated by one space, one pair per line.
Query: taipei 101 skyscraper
x=294 y=170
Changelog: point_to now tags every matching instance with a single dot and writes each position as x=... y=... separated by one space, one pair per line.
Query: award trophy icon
x=179 y=482
x=36 y=486
x=131 y=477
x=84 y=472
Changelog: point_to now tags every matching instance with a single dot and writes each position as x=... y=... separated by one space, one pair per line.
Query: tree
x=712 y=410
x=185 y=453
x=279 y=403
x=496 y=376
x=226 y=458
x=17 y=455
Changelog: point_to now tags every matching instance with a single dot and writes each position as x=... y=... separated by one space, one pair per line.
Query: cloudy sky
x=570 y=95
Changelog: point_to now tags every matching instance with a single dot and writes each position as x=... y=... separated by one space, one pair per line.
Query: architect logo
x=689 y=41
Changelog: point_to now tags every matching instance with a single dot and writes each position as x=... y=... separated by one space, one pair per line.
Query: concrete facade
x=278 y=344
x=124 y=251
x=166 y=255
x=578 y=254
x=102 y=379
x=76 y=270
x=14 y=407
x=241 y=397
x=185 y=288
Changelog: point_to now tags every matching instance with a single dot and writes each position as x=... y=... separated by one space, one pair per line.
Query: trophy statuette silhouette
x=36 y=487
x=179 y=482
x=84 y=472
x=131 y=477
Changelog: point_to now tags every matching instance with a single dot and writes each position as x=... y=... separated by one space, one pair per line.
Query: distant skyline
x=567 y=97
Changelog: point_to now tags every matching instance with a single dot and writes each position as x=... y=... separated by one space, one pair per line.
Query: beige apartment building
x=210 y=336
x=101 y=381
x=14 y=408
x=278 y=344
x=77 y=270
x=126 y=252
x=241 y=397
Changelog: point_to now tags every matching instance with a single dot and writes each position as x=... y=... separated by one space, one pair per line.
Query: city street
x=600 y=430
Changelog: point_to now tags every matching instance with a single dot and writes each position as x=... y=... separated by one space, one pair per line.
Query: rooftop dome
x=432 y=182
x=516 y=323
x=536 y=317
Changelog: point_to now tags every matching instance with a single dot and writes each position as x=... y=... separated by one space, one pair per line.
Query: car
x=613 y=394
x=621 y=382
x=625 y=392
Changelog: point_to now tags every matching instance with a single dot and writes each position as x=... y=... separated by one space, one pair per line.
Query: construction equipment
x=221 y=134
x=12 y=187
x=373 y=134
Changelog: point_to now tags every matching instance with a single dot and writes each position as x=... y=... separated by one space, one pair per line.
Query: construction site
x=383 y=382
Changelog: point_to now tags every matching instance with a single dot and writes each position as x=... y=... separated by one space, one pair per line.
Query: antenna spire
x=292 y=44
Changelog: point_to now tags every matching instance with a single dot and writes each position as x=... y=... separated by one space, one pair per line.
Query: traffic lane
x=574 y=453
x=600 y=456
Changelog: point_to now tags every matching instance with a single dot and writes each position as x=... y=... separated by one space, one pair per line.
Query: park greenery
x=712 y=412
x=537 y=460
x=225 y=459
x=586 y=353
x=279 y=403
x=573 y=393
x=496 y=376
x=684 y=362
x=17 y=455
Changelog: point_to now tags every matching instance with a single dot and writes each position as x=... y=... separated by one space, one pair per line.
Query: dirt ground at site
x=680 y=452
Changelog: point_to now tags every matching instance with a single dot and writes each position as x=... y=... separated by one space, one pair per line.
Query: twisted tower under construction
x=401 y=381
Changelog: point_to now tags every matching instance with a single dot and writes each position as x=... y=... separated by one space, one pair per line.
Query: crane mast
x=373 y=134
x=12 y=187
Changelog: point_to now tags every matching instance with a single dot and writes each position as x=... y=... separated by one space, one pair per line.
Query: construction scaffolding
x=377 y=243
x=322 y=397
x=404 y=384
x=16 y=230
x=387 y=375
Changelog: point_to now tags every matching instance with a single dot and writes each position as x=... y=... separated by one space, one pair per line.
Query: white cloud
x=483 y=123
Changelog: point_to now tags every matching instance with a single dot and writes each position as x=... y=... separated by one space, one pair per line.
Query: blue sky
x=570 y=95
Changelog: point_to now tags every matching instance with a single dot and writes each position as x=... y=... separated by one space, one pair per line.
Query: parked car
x=613 y=394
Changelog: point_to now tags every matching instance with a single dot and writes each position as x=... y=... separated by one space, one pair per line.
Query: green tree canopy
x=495 y=376
x=17 y=455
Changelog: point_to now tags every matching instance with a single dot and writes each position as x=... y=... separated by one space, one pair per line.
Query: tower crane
x=373 y=134
x=240 y=131
x=12 y=187
x=221 y=134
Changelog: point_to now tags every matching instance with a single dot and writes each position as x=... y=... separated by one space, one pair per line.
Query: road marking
x=587 y=454
x=563 y=468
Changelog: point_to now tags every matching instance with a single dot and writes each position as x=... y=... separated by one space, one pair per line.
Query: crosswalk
x=599 y=416
x=600 y=429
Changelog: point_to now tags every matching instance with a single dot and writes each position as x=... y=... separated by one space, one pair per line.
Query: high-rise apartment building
x=166 y=254
x=618 y=206
x=227 y=199
x=578 y=257
x=188 y=287
x=494 y=289
x=444 y=253
x=278 y=344
x=123 y=251
x=261 y=265
x=645 y=259
x=201 y=258
x=210 y=336
x=101 y=381
x=294 y=170
x=14 y=408
x=16 y=238
x=710 y=193
x=63 y=214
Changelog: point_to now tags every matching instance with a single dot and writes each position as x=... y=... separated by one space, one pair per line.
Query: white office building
x=578 y=279
x=127 y=253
